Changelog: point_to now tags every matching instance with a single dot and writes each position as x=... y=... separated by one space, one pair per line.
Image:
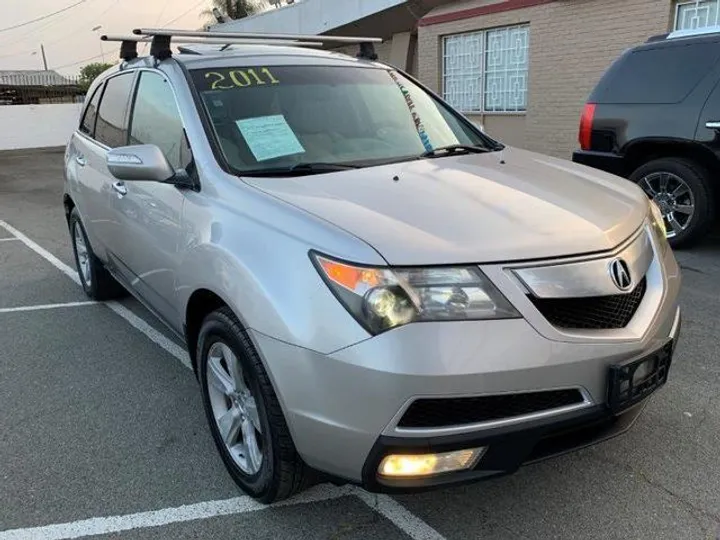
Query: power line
x=78 y=62
x=26 y=23
x=184 y=13
x=70 y=34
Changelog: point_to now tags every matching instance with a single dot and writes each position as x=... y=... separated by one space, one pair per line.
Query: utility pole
x=42 y=49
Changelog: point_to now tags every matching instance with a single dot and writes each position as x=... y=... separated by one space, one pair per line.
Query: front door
x=149 y=213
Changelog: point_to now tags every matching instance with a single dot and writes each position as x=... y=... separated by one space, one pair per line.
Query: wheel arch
x=643 y=151
x=68 y=205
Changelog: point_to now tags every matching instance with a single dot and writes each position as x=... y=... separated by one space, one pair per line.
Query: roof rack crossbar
x=253 y=35
x=213 y=41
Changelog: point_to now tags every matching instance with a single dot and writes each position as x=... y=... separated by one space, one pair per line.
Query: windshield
x=291 y=117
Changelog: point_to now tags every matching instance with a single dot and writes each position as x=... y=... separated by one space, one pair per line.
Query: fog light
x=410 y=465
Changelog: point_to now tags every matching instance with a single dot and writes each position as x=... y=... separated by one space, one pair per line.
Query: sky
x=69 y=39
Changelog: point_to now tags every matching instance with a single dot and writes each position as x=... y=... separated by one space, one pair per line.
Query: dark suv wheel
x=682 y=190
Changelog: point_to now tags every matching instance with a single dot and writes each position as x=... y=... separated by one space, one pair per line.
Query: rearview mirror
x=141 y=162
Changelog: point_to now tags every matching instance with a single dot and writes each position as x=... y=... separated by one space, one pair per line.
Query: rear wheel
x=246 y=421
x=96 y=281
x=682 y=190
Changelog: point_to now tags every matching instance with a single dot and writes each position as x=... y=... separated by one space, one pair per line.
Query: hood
x=502 y=206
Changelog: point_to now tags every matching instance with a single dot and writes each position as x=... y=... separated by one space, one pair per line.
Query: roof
x=34 y=78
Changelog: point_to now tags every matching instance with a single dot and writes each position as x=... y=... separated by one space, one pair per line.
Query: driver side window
x=156 y=120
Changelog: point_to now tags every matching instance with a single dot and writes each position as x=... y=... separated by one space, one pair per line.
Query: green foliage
x=90 y=72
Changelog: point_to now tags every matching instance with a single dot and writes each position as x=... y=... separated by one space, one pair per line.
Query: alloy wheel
x=674 y=197
x=234 y=408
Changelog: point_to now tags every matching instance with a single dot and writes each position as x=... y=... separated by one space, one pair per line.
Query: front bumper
x=508 y=448
x=343 y=409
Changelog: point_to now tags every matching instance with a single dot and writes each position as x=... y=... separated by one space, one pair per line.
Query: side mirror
x=141 y=162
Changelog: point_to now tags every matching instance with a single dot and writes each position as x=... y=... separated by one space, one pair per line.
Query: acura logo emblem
x=620 y=274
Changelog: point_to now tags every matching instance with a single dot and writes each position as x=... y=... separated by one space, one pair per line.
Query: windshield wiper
x=454 y=149
x=302 y=169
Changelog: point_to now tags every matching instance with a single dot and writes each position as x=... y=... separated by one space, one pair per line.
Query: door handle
x=120 y=189
x=80 y=160
x=713 y=124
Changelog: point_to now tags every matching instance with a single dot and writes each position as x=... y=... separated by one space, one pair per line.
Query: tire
x=96 y=281
x=697 y=179
x=282 y=471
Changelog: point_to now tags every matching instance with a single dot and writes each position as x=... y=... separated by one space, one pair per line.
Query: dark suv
x=654 y=118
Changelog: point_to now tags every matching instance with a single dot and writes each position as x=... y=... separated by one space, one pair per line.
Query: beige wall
x=572 y=42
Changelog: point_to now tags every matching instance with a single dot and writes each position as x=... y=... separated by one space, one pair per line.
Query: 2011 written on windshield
x=240 y=78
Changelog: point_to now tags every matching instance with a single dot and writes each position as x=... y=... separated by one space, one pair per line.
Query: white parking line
x=158 y=337
x=118 y=308
x=42 y=307
x=9 y=239
x=400 y=516
x=388 y=507
x=167 y=516
x=49 y=257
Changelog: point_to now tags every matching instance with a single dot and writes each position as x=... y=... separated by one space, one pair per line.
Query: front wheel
x=682 y=190
x=245 y=418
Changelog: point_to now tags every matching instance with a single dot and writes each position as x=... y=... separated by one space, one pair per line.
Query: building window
x=487 y=71
x=697 y=14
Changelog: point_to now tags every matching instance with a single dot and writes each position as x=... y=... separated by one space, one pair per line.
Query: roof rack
x=128 y=47
x=161 y=40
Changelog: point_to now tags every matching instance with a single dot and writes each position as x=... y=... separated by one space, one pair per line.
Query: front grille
x=592 y=313
x=434 y=413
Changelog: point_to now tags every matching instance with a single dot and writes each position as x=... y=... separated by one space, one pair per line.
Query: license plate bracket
x=628 y=386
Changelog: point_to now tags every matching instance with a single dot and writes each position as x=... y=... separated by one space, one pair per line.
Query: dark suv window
x=156 y=119
x=111 y=127
x=665 y=74
x=88 y=123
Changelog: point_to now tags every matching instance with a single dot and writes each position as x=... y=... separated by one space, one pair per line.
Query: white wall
x=37 y=126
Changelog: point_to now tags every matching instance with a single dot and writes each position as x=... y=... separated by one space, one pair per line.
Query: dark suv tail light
x=586 y=124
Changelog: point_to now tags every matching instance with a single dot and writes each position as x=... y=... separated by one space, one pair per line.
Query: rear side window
x=156 y=120
x=657 y=75
x=88 y=122
x=111 y=127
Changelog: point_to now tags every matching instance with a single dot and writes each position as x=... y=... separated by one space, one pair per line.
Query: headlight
x=658 y=225
x=381 y=298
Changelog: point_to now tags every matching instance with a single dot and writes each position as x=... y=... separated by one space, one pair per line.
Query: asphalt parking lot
x=102 y=432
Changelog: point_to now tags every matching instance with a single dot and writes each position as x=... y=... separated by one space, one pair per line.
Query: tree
x=91 y=72
x=236 y=9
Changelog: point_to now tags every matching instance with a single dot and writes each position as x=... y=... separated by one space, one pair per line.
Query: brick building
x=520 y=68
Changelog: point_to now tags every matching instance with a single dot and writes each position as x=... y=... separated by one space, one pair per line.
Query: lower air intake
x=437 y=413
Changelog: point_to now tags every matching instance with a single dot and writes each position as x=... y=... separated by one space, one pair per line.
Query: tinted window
x=88 y=122
x=657 y=75
x=156 y=119
x=111 y=128
x=280 y=117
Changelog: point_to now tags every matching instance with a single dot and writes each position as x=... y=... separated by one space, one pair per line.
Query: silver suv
x=371 y=289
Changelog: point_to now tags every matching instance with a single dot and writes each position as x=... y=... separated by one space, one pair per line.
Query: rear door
x=147 y=240
x=708 y=129
x=110 y=132
x=84 y=190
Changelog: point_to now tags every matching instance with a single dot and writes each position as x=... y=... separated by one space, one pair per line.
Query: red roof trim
x=508 y=5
